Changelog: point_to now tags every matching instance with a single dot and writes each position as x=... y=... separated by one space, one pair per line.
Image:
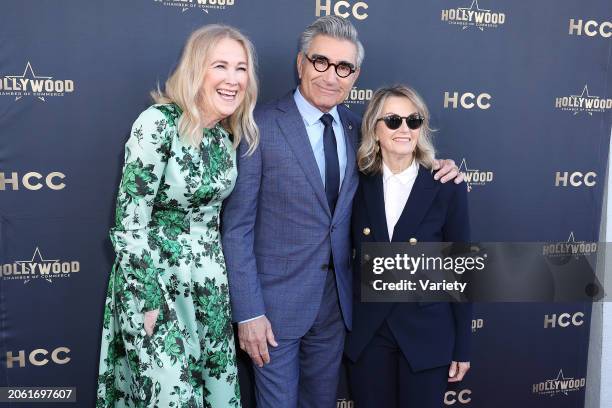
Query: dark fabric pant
x=304 y=372
x=382 y=377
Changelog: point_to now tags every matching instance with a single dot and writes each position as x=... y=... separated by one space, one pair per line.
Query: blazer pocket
x=271 y=265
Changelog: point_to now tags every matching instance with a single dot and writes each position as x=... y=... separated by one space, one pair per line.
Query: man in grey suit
x=286 y=226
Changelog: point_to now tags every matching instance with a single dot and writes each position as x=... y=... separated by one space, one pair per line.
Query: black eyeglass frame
x=412 y=117
x=329 y=64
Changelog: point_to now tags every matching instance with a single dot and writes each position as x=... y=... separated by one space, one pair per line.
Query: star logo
x=570 y=248
x=474 y=177
x=584 y=95
x=28 y=73
x=583 y=102
x=39 y=267
x=474 y=7
x=562 y=380
x=473 y=16
x=30 y=83
x=463 y=166
x=41 y=260
x=560 y=385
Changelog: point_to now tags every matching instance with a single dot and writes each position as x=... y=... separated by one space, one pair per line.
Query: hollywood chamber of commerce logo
x=571 y=247
x=473 y=16
x=475 y=177
x=29 y=83
x=204 y=5
x=561 y=385
x=358 y=96
x=585 y=102
x=39 y=268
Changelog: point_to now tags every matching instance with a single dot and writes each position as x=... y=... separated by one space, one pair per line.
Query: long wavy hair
x=184 y=85
x=369 y=156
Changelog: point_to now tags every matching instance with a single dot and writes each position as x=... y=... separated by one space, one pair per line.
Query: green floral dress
x=169 y=257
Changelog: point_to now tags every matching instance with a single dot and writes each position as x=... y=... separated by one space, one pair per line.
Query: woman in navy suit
x=403 y=354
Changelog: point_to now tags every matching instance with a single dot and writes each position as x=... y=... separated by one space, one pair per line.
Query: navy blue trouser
x=382 y=377
x=304 y=372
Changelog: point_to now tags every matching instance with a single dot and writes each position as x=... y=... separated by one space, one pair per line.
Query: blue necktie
x=332 y=167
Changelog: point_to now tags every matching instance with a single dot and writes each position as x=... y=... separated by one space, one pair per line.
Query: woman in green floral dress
x=167 y=338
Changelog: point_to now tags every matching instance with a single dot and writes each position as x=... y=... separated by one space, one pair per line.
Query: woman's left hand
x=457 y=370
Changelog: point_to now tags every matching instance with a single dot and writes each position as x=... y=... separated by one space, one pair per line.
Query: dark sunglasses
x=393 y=122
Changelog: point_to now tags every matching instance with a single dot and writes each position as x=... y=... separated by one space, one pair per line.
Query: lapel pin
x=366 y=231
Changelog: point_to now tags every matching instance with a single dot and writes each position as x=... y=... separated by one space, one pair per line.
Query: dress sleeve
x=146 y=154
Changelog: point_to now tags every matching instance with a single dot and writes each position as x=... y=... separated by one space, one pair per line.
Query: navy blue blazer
x=429 y=334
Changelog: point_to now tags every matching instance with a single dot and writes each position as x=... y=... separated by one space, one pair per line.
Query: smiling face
x=225 y=81
x=324 y=90
x=397 y=145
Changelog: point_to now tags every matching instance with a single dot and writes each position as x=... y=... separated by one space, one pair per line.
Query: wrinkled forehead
x=334 y=49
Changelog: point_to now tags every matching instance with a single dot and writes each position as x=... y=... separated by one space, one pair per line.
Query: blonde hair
x=183 y=87
x=369 y=156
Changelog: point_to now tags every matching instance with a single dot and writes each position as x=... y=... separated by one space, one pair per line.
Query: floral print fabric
x=169 y=257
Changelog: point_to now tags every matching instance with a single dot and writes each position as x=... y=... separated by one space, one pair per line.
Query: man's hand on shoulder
x=446 y=170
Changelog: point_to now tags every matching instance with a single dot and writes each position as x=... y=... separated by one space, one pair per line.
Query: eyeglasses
x=414 y=121
x=322 y=64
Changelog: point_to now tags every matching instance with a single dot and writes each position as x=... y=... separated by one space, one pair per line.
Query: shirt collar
x=405 y=177
x=309 y=113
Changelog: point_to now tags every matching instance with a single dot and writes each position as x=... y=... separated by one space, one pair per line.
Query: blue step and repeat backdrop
x=520 y=92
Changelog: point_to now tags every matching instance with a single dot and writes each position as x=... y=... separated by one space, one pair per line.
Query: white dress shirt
x=397 y=188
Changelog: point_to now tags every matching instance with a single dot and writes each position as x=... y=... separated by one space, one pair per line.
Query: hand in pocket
x=150 y=318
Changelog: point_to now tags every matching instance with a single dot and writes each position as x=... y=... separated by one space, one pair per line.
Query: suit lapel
x=422 y=195
x=293 y=129
x=374 y=196
x=350 y=179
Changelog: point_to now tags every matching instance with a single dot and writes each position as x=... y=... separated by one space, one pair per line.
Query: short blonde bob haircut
x=369 y=156
x=183 y=87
